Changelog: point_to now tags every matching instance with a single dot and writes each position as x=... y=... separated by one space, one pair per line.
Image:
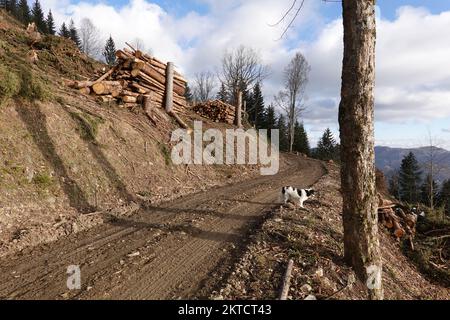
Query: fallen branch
x=286 y=280
x=178 y=119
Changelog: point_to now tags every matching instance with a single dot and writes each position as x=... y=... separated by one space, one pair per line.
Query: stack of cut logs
x=397 y=218
x=216 y=110
x=135 y=78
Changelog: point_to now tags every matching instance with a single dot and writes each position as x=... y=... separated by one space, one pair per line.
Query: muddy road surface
x=181 y=249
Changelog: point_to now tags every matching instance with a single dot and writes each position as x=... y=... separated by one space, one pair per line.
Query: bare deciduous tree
x=296 y=78
x=241 y=69
x=356 y=120
x=138 y=44
x=91 y=43
x=283 y=101
x=204 y=84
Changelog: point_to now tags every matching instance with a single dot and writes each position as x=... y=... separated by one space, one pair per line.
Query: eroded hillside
x=65 y=155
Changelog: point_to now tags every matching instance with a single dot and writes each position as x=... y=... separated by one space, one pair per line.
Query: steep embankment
x=313 y=238
x=63 y=154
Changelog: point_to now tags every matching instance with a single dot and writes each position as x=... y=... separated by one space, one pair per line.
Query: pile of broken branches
x=397 y=218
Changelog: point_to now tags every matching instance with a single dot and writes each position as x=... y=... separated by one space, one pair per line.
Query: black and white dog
x=293 y=194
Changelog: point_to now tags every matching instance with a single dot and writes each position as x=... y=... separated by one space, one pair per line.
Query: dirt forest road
x=181 y=249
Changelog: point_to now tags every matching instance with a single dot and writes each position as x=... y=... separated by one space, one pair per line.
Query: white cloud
x=413 y=74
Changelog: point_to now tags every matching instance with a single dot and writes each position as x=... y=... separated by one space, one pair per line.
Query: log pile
x=216 y=110
x=397 y=218
x=136 y=79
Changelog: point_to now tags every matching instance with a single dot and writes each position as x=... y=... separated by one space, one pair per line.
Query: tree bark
x=238 y=112
x=107 y=87
x=356 y=115
x=169 y=87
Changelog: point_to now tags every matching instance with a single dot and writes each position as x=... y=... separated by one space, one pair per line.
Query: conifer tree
x=38 y=17
x=301 y=141
x=223 y=94
x=8 y=5
x=50 y=22
x=327 y=147
x=64 y=32
x=283 y=133
x=444 y=196
x=270 y=120
x=12 y=7
x=256 y=109
x=73 y=34
x=109 y=53
x=23 y=12
x=409 y=179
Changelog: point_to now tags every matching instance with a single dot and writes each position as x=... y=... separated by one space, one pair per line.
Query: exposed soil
x=167 y=251
x=313 y=238
x=70 y=155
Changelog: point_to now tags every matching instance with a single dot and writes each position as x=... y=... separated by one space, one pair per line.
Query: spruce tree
x=23 y=12
x=283 y=133
x=73 y=34
x=301 y=141
x=327 y=147
x=50 y=22
x=257 y=107
x=4 y=4
x=223 y=95
x=270 y=120
x=11 y=7
x=409 y=179
x=38 y=17
x=110 y=52
x=444 y=196
x=426 y=189
x=64 y=32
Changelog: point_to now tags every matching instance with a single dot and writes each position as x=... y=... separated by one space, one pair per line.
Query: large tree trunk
x=356 y=113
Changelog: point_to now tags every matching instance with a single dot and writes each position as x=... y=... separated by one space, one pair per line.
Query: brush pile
x=136 y=78
x=216 y=110
x=397 y=218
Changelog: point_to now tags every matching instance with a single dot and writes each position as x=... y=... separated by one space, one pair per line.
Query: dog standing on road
x=293 y=194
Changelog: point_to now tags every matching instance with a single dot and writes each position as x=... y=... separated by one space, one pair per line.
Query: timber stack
x=135 y=79
x=397 y=218
x=216 y=110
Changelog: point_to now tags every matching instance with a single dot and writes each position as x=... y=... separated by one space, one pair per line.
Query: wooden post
x=238 y=113
x=169 y=87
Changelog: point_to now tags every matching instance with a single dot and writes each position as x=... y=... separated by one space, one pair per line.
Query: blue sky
x=413 y=50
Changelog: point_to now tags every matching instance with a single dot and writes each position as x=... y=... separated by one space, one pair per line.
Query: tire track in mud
x=180 y=245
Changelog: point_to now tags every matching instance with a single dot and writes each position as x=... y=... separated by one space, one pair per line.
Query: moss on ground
x=43 y=180
x=21 y=83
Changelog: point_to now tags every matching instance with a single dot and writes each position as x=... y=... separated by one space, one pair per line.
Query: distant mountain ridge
x=389 y=159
